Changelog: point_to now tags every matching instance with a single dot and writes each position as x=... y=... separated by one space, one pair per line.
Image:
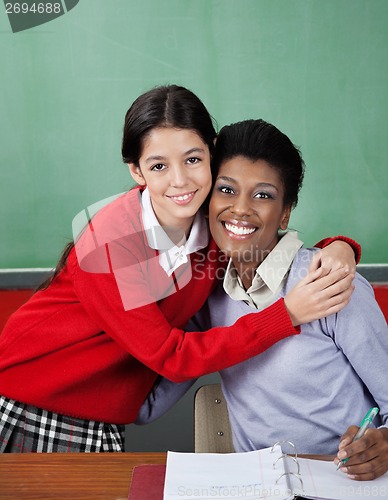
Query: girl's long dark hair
x=61 y=264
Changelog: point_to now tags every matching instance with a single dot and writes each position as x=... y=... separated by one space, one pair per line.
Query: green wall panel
x=316 y=69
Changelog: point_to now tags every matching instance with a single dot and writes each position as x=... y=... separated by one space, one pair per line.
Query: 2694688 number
x=35 y=8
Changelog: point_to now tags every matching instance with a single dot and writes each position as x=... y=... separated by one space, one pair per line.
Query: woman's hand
x=318 y=295
x=336 y=255
x=368 y=456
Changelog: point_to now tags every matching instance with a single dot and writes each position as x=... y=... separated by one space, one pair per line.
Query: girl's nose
x=178 y=176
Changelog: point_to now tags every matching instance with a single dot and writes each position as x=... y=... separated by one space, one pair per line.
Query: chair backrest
x=212 y=433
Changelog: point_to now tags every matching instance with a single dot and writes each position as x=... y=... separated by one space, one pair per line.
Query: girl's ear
x=136 y=174
x=285 y=218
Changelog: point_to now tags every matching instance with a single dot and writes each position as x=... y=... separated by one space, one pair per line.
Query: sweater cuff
x=356 y=246
x=275 y=326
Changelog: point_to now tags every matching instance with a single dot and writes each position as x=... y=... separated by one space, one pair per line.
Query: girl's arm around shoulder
x=339 y=251
x=151 y=332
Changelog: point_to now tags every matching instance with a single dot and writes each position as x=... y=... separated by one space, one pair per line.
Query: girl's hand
x=318 y=295
x=368 y=456
x=336 y=255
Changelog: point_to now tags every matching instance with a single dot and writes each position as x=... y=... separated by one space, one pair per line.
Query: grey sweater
x=307 y=388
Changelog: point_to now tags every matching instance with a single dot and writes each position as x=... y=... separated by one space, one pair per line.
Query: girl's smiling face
x=175 y=165
x=246 y=210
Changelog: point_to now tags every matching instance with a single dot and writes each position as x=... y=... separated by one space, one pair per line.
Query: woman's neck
x=246 y=272
x=246 y=268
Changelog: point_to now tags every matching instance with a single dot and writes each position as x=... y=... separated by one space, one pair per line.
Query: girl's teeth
x=239 y=230
x=183 y=198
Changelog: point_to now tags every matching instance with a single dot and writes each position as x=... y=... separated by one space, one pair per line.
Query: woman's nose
x=241 y=206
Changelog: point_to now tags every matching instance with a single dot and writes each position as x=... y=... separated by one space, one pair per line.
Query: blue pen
x=361 y=431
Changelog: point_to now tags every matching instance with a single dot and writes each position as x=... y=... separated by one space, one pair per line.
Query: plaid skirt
x=25 y=428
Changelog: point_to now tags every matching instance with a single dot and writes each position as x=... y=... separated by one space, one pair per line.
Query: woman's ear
x=285 y=218
x=136 y=174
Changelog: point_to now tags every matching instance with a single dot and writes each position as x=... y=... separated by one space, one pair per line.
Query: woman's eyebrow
x=266 y=185
x=226 y=179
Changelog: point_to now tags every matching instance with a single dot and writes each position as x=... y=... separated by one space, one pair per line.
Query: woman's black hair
x=165 y=106
x=259 y=140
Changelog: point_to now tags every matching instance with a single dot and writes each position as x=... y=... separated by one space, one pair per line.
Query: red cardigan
x=91 y=344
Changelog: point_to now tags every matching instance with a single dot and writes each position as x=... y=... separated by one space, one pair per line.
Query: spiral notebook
x=268 y=473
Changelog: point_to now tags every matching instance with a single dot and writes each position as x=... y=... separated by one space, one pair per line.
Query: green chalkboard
x=316 y=69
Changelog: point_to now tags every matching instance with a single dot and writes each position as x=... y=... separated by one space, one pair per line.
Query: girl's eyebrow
x=163 y=158
x=194 y=150
x=154 y=158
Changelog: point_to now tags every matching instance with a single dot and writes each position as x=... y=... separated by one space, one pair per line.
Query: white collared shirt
x=270 y=275
x=171 y=256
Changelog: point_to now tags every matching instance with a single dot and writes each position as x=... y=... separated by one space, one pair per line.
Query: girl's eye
x=158 y=167
x=193 y=160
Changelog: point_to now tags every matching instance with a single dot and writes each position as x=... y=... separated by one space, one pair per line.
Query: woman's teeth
x=239 y=230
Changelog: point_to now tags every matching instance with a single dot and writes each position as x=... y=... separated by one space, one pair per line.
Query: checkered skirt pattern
x=25 y=428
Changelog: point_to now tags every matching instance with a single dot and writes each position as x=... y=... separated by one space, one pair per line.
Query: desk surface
x=75 y=476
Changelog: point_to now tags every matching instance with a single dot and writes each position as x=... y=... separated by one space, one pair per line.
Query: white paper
x=204 y=476
x=252 y=475
x=322 y=480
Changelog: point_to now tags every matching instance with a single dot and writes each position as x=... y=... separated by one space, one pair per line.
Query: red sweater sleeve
x=356 y=246
x=146 y=332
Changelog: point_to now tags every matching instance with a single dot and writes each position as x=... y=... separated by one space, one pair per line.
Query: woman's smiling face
x=247 y=209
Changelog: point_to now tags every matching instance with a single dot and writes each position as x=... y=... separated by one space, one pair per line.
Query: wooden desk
x=75 y=476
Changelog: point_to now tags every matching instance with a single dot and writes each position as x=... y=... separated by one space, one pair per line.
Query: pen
x=361 y=431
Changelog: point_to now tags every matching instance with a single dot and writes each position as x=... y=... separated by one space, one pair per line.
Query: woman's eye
x=264 y=196
x=158 y=167
x=225 y=189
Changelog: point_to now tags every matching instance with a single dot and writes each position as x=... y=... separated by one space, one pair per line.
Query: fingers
x=365 y=471
x=338 y=254
x=333 y=291
x=334 y=303
x=315 y=262
x=323 y=279
x=348 y=437
x=315 y=297
x=367 y=457
x=340 y=277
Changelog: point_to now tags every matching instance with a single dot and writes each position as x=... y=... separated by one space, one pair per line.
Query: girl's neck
x=177 y=235
x=178 y=232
